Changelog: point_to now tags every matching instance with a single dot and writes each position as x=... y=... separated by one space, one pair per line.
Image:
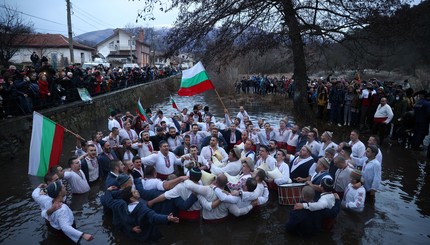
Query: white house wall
x=23 y=55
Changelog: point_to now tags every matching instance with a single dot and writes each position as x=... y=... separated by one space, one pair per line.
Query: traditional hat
x=307 y=128
x=237 y=152
x=122 y=179
x=329 y=134
x=249 y=162
x=324 y=161
x=327 y=184
x=196 y=173
x=54 y=189
x=284 y=151
x=356 y=174
x=12 y=67
x=308 y=148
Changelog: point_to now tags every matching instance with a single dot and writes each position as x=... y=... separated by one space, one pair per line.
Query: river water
x=400 y=214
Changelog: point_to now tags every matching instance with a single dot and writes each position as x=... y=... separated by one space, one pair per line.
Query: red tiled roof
x=48 y=41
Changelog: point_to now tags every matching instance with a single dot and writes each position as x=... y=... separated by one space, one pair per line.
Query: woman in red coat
x=43 y=89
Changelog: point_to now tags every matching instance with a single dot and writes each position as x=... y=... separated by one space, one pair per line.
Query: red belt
x=291 y=149
x=282 y=145
x=379 y=119
x=162 y=176
x=189 y=215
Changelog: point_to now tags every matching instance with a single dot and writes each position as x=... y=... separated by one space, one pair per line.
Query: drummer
x=302 y=166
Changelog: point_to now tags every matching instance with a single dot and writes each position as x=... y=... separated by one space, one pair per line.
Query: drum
x=290 y=194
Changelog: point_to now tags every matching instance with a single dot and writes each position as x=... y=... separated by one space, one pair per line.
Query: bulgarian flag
x=142 y=113
x=195 y=81
x=174 y=105
x=45 y=146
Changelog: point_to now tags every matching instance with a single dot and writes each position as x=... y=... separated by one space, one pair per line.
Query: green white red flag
x=195 y=81
x=141 y=112
x=45 y=146
x=174 y=105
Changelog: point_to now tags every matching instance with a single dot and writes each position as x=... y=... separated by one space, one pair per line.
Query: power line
x=86 y=21
x=89 y=15
x=3 y=6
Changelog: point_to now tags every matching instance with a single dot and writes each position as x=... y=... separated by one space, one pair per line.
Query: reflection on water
x=399 y=215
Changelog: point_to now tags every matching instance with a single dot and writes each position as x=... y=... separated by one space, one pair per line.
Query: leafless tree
x=12 y=28
x=239 y=26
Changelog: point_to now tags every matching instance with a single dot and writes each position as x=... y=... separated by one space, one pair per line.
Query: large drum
x=290 y=194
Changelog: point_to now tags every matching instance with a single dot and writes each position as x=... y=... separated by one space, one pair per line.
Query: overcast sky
x=49 y=16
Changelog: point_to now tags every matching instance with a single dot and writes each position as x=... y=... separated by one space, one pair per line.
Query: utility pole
x=70 y=32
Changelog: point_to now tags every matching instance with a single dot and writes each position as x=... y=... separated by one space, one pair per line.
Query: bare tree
x=239 y=26
x=12 y=28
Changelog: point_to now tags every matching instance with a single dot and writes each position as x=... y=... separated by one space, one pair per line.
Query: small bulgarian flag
x=142 y=113
x=174 y=105
x=45 y=146
x=195 y=81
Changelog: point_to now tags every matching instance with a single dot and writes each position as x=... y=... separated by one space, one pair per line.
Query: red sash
x=282 y=145
x=379 y=119
x=189 y=215
x=291 y=149
x=162 y=176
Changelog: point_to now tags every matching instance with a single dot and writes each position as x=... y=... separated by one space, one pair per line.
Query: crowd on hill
x=40 y=86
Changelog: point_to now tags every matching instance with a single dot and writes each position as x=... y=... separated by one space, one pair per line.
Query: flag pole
x=65 y=129
x=219 y=97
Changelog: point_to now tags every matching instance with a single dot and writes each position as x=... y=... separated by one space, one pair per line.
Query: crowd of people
x=40 y=85
x=191 y=166
x=383 y=108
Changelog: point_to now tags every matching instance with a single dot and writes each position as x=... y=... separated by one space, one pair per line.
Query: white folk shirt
x=181 y=191
x=384 y=112
x=128 y=156
x=152 y=184
x=315 y=147
x=323 y=148
x=292 y=138
x=131 y=135
x=285 y=170
x=269 y=161
x=63 y=219
x=354 y=198
x=77 y=182
x=232 y=168
x=207 y=153
x=113 y=141
x=264 y=137
x=143 y=149
x=196 y=139
x=358 y=149
x=281 y=135
x=174 y=142
x=164 y=165
x=112 y=122
x=93 y=169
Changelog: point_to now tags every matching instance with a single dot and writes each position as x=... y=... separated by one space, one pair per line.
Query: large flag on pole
x=195 y=81
x=142 y=113
x=45 y=146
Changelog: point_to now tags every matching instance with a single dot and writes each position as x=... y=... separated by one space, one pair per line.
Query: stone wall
x=15 y=133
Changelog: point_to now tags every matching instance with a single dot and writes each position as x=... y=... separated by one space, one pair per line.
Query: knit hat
x=102 y=143
x=325 y=162
x=356 y=174
x=195 y=173
x=54 y=189
x=327 y=184
x=122 y=179
x=284 y=152
x=249 y=162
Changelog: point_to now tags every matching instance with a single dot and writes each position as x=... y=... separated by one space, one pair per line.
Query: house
x=122 y=47
x=183 y=60
x=53 y=46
